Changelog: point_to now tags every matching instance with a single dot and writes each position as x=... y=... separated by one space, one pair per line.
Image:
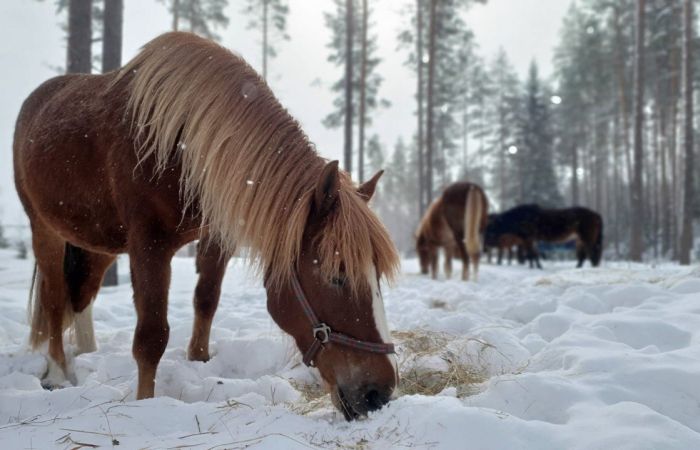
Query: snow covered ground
x=559 y=358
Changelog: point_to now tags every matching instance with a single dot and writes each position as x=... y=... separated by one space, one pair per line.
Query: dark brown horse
x=456 y=219
x=185 y=142
x=532 y=223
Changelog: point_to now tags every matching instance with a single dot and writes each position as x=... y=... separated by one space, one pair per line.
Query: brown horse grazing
x=185 y=142
x=457 y=217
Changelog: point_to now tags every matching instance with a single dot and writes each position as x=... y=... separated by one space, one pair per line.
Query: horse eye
x=338 y=281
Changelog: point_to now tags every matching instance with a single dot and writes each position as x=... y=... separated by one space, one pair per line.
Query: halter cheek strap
x=323 y=334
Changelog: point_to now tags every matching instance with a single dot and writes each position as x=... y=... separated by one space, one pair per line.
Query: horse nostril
x=374 y=399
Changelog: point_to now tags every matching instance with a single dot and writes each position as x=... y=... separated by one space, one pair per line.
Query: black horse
x=530 y=223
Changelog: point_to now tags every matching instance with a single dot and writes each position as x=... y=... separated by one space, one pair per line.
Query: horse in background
x=502 y=237
x=460 y=213
x=533 y=223
x=188 y=142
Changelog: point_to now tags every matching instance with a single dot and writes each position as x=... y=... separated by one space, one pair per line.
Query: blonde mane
x=246 y=164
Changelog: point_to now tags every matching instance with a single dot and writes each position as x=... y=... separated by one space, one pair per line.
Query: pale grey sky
x=31 y=43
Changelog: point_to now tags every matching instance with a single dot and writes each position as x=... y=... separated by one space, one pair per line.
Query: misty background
x=553 y=102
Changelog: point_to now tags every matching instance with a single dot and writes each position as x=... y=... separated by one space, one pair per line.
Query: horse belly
x=69 y=191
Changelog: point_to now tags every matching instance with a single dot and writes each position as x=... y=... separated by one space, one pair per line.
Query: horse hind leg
x=211 y=266
x=51 y=312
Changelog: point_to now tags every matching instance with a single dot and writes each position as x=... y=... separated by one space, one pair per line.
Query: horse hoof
x=56 y=377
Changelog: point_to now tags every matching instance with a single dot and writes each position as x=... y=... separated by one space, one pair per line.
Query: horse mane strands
x=245 y=161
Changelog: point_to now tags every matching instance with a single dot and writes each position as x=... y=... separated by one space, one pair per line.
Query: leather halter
x=323 y=334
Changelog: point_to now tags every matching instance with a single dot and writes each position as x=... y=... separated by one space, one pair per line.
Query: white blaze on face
x=380 y=315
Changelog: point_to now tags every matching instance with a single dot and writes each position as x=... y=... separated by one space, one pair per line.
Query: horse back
x=76 y=168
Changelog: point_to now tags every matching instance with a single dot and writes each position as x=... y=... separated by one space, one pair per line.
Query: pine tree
x=112 y=34
x=79 y=52
x=270 y=17
x=346 y=112
x=637 y=243
x=198 y=16
x=686 y=243
x=535 y=163
x=502 y=114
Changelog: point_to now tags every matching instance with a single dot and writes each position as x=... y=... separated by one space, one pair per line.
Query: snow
x=590 y=358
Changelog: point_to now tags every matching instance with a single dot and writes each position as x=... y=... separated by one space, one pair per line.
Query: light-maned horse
x=186 y=141
x=454 y=221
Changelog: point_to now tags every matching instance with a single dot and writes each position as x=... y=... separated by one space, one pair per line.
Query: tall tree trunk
x=176 y=15
x=112 y=35
x=616 y=211
x=420 y=144
x=79 y=54
x=574 y=175
x=686 y=241
x=363 y=95
x=264 y=38
x=349 y=26
x=636 y=243
x=431 y=100
x=113 y=22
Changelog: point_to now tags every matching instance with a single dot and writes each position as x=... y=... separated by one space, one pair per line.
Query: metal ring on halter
x=325 y=331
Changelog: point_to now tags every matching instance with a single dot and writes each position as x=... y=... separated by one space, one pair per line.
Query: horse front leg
x=150 y=275
x=448 y=262
x=211 y=266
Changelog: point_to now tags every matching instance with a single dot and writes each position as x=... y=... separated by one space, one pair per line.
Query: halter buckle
x=325 y=333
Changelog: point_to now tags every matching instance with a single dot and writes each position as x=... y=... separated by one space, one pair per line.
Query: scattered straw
x=419 y=350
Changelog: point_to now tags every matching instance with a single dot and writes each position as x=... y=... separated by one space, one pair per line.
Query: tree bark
x=113 y=22
x=349 y=25
x=176 y=15
x=363 y=95
x=637 y=204
x=420 y=143
x=112 y=38
x=431 y=101
x=686 y=241
x=574 y=175
x=79 y=54
x=264 y=32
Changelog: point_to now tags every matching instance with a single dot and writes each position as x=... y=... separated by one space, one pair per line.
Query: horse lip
x=348 y=411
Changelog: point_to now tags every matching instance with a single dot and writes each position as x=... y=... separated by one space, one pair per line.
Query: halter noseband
x=323 y=334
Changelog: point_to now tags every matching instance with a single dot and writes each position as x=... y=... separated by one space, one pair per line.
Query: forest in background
x=613 y=129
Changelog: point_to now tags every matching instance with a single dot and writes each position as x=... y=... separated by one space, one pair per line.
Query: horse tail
x=35 y=311
x=38 y=315
x=597 y=253
x=473 y=218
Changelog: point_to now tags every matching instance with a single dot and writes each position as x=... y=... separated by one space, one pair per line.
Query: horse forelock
x=245 y=161
x=355 y=237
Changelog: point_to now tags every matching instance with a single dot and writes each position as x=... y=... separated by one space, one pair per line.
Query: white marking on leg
x=379 y=315
x=84 y=331
x=56 y=377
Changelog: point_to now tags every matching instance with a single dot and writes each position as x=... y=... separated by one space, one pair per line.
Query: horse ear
x=327 y=189
x=366 y=189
